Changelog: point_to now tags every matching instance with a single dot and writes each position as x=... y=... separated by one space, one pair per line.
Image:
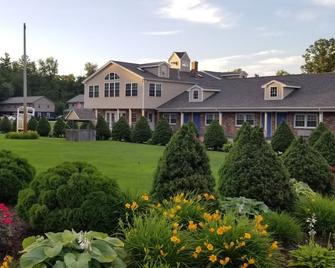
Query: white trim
x=220 y=118
x=131 y=89
x=218 y=78
x=155 y=90
x=244 y=119
x=168 y=117
x=281 y=83
x=181 y=119
x=305 y=121
x=213 y=114
x=320 y=117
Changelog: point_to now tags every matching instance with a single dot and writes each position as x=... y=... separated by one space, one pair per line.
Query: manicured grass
x=132 y=165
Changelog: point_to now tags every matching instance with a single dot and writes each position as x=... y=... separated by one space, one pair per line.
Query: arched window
x=112 y=76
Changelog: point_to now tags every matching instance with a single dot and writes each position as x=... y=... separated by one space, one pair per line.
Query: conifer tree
x=282 y=138
x=59 y=128
x=32 y=123
x=184 y=166
x=43 y=128
x=5 y=125
x=121 y=130
x=253 y=170
x=305 y=164
x=102 y=129
x=162 y=133
x=214 y=136
x=316 y=134
x=141 y=132
x=325 y=145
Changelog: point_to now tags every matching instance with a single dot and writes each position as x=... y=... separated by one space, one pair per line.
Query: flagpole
x=24 y=80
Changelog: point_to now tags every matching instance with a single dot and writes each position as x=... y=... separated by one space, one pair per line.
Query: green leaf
x=108 y=254
x=33 y=257
x=68 y=236
x=69 y=259
x=115 y=242
x=53 y=251
x=118 y=263
x=59 y=264
x=28 y=241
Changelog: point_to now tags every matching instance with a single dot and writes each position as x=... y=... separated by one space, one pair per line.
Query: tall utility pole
x=24 y=80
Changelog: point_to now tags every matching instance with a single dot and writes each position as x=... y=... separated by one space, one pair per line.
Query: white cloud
x=299 y=15
x=324 y=2
x=200 y=11
x=161 y=32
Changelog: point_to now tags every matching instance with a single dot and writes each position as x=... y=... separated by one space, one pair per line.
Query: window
x=106 y=89
x=273 y=92
x=93 y=91
x=171 y=118
x=196 y=94
x=209 y=118
x=155 y=90
x=96 y=91
x=112 y=76
x=241 y=118
x=133 y=117
x=131 y=89
x=305 y=120
x=90 y=91
x=150 y=116
x=112 y=89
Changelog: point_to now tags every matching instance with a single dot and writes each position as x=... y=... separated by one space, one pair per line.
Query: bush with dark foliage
x=214 y=136
x=32 y=123
x=316 y=134
x=121 y=130
x=162 y=133
x=325 y=145
x=59 y=128
x=5 y=125
x=102 y=129
x=282 y=138
x=141 y=132
x=43 y=128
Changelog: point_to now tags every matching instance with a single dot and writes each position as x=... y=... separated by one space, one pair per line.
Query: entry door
x=196 y=120
x=110 y=118
x=186 y=118
x=281 y=117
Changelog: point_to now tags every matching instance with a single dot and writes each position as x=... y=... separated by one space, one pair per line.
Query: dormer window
x=273 y=92
x=195 y=94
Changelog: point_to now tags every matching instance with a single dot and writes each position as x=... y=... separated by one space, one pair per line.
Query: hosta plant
x=72 y=249
x=243 y=206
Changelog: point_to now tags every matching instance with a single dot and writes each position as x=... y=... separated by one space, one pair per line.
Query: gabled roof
x=81 y=114
x=152 y=64
x=180 y=54
x=317 y=92
x=15 y=100
x=78 y=98
x=283 y=83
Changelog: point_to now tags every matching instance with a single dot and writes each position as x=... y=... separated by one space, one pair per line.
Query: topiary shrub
x=102 y=129
x=32 y=124
x=29 y=135
x=162 y=133
x=316 y=134
x=325 y=145
x=43 y=128
x=214 y=136
x=15 y=174
x=142 y=132
x=5 y=125
x=121 y=130
x=71 y=196
x=305 y=164
x=253 y=170
x=282 y=138
x=59 y=128
x=184 y=167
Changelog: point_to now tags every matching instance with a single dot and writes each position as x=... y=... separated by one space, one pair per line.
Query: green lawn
x=132 y=165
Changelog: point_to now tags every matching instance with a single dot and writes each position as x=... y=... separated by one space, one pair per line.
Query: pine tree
x=102 y=129
x=43 y=128
x=142 y=132
x=305 y=164
x=121 y=130
x=5 y=125
x=325 y=145
x=162 y=133
x=184 y=166
x=282 y=138
x=59 y=128
x=253 y=170
x=32 y=123
x=316 y=134
x=214 y=136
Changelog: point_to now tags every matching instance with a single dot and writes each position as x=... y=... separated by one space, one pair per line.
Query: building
x=76 y=102
x=42 y=105
x=181 y=93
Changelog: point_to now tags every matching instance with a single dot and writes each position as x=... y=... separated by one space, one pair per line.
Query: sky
x=259 y=36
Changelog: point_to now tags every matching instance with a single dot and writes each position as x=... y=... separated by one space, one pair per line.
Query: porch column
x=265 y=124
x=220 y=118
x=143 y=114
x=96 y=113
x=320 y=117
x=181 y=119
x=117 y=115
x=129 y=117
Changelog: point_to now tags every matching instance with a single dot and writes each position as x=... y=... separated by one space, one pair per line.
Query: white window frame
x=93 y=89
x=132 y=90
x=215 y=118
x=169 y=116
x=275 y=90
x=109 y=95
x=155 y=90
x=90 y=91
x=245 y=115
x=108 y=77
x=200 y=95
x=305 y=121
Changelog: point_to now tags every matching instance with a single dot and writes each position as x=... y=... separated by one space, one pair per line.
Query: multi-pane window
x=96 y=91
x=112 y=89
x=133 y=117
x=93 y=91
x=210 y=117
x=112 y=76
x=273 y=92
x=240 y=118
x=171 y=118
x=155 y=90
x=305 y=120
x=131 y=89
x=196 y=94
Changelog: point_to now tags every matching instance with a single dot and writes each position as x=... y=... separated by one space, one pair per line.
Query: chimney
x=194 y=66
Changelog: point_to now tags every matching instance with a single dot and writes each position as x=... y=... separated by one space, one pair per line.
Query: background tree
x=325 y=145
x=43 y=128
x=32 y=123
x=59 y=128
x=121 y=130
x=141 y=132
x=253 y=170
x=72 y=124
x=282 y=72
x=214 y=136
x=5 y=125
x=320 y=57
x=282 y=138
x=90 y=68
x=184 y=167
x=48 y=67
x=316 y=134
x=102 y=129
x=162 y=133
x=304 y=163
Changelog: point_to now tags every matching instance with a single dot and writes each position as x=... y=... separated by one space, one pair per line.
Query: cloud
x=199 y=11
x=303 y=15
x=324 y=2
x=162 y=32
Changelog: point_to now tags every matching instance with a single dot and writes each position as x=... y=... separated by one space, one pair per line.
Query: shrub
x=14 y=125
x=15 y=174
x=284 y=228
x=5 y=232
x=227 y=147
x=322 y=208
x=5 y=125
x=242 y=206
x=141 y=132
x=316 y=134
x=312 y=255
x=59 y=128
x=325 y=145
x=121 y=130
x=162 y=133
x=29 y=135
x=301 y=189
x=282 y=138
x=253 y=170
x=305 y=164
x=71 y=196
x=102 y=129
x=43 y=128
x=71 y=249
x=184 y=167
x=214 y=136
x=72 y=124
x=32 y=124
x=87 y=125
